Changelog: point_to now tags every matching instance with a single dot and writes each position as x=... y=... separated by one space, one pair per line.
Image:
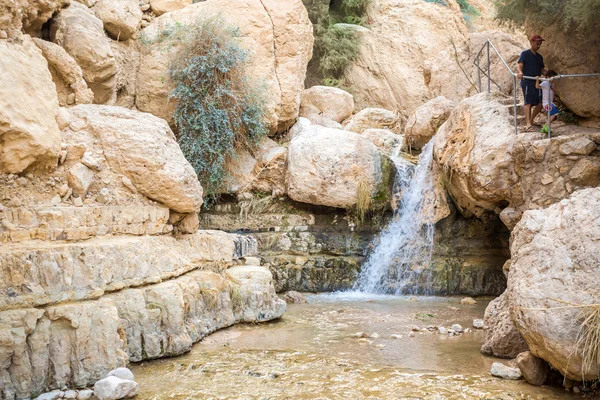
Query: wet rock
x=122 y=373
x=457 y=328
x=53 y=395
x=468 y=300
x=70 y=394
x=502 y=371
x=442 y=330
x=113 y=388
x=293 y=297
x=374 y=335
x=361 y=335
x=533 y=369
x=85 y=394
x=478 y=324
x=502 y=339
x=423 y=124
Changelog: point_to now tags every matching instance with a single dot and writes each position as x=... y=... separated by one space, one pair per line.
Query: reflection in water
x=312 y=353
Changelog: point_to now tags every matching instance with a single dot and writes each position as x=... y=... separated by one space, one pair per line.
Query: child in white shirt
x=548 y=94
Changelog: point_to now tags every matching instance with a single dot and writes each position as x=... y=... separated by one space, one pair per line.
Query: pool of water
x=312 y=352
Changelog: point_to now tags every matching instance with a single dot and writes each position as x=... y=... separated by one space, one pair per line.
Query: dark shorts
x=530 y=93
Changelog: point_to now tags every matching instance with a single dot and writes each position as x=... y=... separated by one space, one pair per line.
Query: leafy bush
x=467 y=8
x=579 y=16
x=335 y=46
x=218 y=110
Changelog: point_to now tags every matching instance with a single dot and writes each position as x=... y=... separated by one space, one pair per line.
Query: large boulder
x=473 y=149
x=554 y=275
x=423 y=124
x=373 y=118
x=29 y=134
x=387 y=141
x=81 y=34
x=141 y=147
x=121 y=18
x=403 y=38
x=159 y=7
x=332 y=167
x=502 y=339
x=326 y=102
x=276 y=34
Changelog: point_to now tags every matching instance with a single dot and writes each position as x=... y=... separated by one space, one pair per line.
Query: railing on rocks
x=489 y=45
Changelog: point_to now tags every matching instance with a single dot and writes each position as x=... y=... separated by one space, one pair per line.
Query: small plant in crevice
x=218 y=109
x=363 y=199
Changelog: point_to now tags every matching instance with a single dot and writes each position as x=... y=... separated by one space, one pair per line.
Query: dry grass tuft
x=588 y=338
x=363 y=199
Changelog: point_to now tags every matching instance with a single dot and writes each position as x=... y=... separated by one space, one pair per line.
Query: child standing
x=548 y=97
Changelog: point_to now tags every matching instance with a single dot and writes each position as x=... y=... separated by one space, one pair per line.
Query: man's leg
x=536 y=110
x=528 y=115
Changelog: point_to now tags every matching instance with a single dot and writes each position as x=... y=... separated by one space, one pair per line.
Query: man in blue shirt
x=531 y=63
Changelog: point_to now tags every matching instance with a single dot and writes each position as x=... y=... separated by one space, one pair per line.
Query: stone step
x=37 y=273
x=511 y=109
x=78 y=223
x=76 y=344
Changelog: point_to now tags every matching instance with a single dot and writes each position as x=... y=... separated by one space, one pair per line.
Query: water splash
x=403 y=249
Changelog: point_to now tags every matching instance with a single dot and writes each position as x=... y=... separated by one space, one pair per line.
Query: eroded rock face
x=555 y=262
x=29 y=134
x=277 y=35
x=81 y=34
x=425 y=121
x=387 y=141
x=403 y=39
x=27 y=15
x=121 y=18
x=502 y=339
x=328 y=166
x=326 y=102
x=66 y=74
x=159 y=7
x=141 y=147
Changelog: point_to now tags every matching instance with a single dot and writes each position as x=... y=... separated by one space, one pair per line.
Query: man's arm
x=520 y=70
x=537 y=82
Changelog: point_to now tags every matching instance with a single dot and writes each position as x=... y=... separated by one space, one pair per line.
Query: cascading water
x=403 y=249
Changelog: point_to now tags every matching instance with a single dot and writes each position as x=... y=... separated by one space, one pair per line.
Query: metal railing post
x=488 y=68
x=479 y=73
x=549 y=120
x=515 y=102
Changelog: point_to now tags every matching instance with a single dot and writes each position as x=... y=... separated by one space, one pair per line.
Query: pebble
x=363 y=341
x=63 y=190
x=3 y=35
x=128 y=184
x=67 y=194
x=361 y=335
x=85 y=394
x=380 y=346
x=77 y=202
x=71 y=98
x=415 y=328
x=576 y=390
x=55 y=200
x=442 y=330
x=505 y=372
x=374 y=335
x=395 y=336
x=22 y=181
x=122 y=373
x=478 y=323
x=457 y=328
x=468 y=300
x=70 y=394
x=411 y=334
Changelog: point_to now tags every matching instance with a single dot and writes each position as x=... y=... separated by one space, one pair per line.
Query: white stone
x=502 y=371
x=113 y=388
x=478 y=323
x=122 y=373
x=85 y=394
x=80 y=178
x=457 y=328
x=121 y=18
x=326 y=102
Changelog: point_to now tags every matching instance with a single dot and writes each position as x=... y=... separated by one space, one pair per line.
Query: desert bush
x=577 y=16
x=219 y=110
x=335 y=46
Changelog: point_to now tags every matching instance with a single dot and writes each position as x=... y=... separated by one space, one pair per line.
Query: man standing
x=531 y=63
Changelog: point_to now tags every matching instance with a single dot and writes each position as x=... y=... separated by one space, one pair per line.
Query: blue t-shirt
x=532 y=64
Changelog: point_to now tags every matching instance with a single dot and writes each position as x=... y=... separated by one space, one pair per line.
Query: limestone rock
x=403 y=39
x=81 y=34
x=29 y=135
x=586 y=172
x=113 y=388
x=387 y=141
x=122 y=373
x=80 y=178
x=472 y=149
x=578 y=146
x=425 y=121
x=276 y=33
x=511 y=217
x=159 y=7
x=502 y=339
x=502 y=371
x=28 y=16
x=66 y=74
x=143 y=148
x=533 y=369
x=121 y=18
x=326 y=102
x=329 y=166
x=373 y=118
x=546 y=246
x=294 y=297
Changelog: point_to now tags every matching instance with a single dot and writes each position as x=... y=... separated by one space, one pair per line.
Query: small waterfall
x=403 y=249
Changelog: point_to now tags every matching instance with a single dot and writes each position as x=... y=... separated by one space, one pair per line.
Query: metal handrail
x=488 y=43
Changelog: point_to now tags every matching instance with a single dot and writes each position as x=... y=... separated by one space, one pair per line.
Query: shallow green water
x=312 y=353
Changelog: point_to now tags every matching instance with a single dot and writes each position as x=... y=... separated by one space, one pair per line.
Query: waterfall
x=403 y=249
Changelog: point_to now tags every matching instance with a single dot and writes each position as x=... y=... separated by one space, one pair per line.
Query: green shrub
x=335 y=46
x=218 y=109
x=578 y=16
x=467 y=8
x=442 y=2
